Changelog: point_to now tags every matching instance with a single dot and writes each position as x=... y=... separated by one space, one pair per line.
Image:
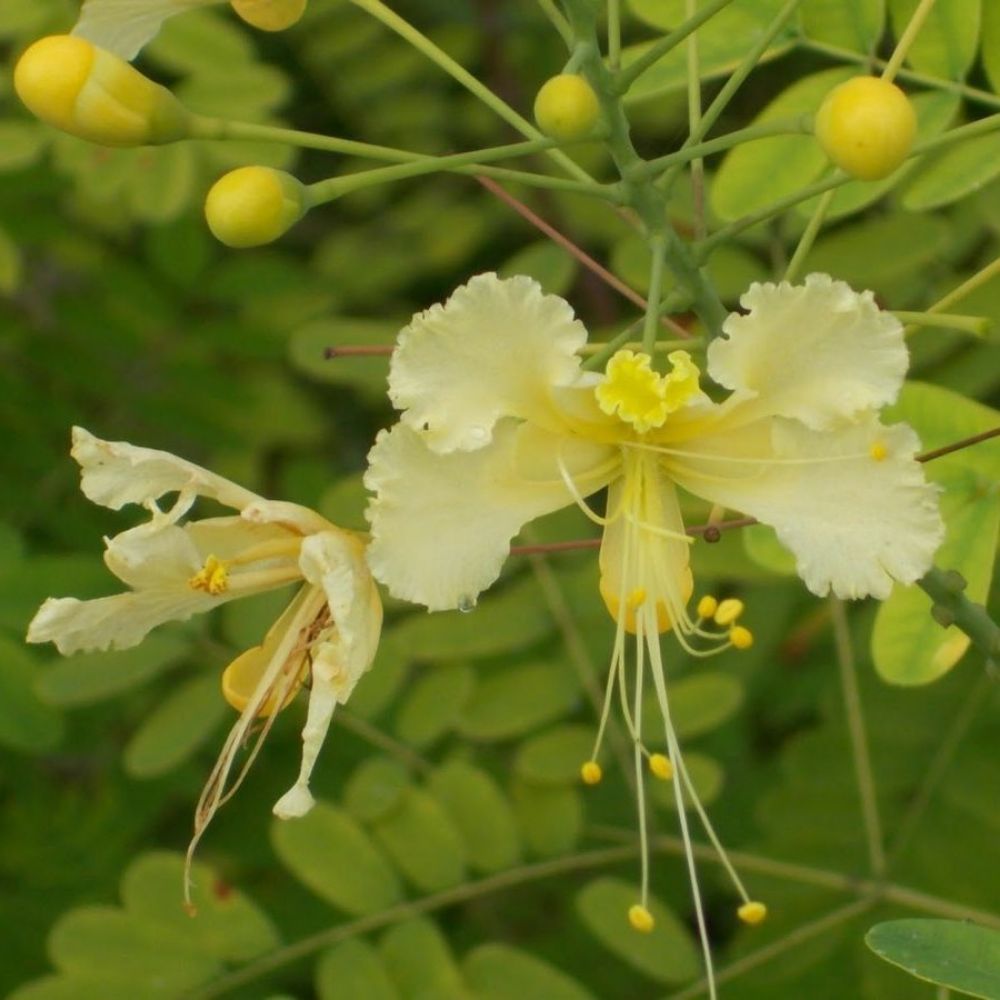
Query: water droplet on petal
x=466 y=604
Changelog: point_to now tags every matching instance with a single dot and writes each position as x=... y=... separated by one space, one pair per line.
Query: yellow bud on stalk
x=72 y=84
x=566 y=107
x=270 y=15
x=866 y=126
x=252 y=206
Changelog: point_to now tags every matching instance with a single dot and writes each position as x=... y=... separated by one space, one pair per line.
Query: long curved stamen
x=659 y=682
x=743 y=460
x=640 y=777
x=577 y=498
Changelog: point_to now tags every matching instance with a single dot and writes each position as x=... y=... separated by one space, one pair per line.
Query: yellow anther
x=640 y=918
x=728 y=611
x=707 y=606
x=636 y=598
x=213 y=577
x=752 y=913
x=591 y=773
x=740 y=637
x=878 y=451
x=661 y=767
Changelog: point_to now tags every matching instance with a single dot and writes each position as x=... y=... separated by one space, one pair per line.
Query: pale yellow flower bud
x=252 y=206
x=566 y=107
x=83 y=90
x=867 y=127
x=270 y=15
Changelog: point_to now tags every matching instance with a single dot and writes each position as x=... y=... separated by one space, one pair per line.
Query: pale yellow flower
x=174 y=569
x=500 y=424
x=125 y=26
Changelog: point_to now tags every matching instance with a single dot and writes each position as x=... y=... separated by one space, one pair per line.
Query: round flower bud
x=270 y=15
x=866 y=126
x=72 y=84
x=252 y=206
x=566 y=107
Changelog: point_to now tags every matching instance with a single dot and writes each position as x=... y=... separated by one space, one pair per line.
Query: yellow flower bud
x=270 y=15
x=566 y=107
x=252 y=206
x=70 y=83
x=866 y=126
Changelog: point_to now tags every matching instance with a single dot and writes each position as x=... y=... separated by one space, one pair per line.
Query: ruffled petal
x=115 y=473
x=818 y=352
x=496 y=348
x=852 y=505
x=125 y=26
x=442 y=524
x=116 y=622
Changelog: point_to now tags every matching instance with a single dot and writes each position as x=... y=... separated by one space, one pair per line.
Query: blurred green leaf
x=333 y=856
x=500 y=972
x=179 y=725
x=26 y=723
x=353 y=969
x=481 y=814
x=375 y=788
x=549 y=264
x=554 y=757
x=699 y=703
x=435 y=703
x=550 y=818
x=420 y=962
x=851 y=24
x=954 y=174
x=951 y=953
x=949 y=39
x=667 y=954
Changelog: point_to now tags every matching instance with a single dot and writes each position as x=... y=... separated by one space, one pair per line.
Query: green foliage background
x=455 y=766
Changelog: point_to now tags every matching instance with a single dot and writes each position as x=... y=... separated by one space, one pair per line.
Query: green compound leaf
x=423 y=842
x=500 y=972
x=548 y=263
x=481 y=814
x=509 y=701
x=949 y=39
x=27 y=724
x=177 y=728
x=420 y=962
x=698 y=704
x=550 y=818
x=954 y=174
x=667 y=954
x=951 y=953
x=375 y=788
x=722 y=43
x=435 y=703
x=554 y=757
x=850 y=24
x=991 y=43
x=328 y=852
x=353 y=969
x=92 y=941
x=511 y=619
x=758 y=173
x=908 y=646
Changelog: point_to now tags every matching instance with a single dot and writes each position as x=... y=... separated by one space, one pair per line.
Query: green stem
x=980 y=278
x=808 y=237
x=787 y=126
x=846 y=55
x=951 y=607
x=977 y=326
x=458 y=72
x=650 y=323
x=334 y=187
x=614 y=35
x=735 y=81
x=659 y=49
x=908 y=37
x=555 y=15
x=694 y=122
x=859 y=740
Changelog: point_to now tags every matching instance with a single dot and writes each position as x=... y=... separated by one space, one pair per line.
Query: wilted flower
x=174 y=569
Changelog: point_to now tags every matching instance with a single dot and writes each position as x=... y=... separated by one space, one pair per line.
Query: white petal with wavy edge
x=817 y=352
x=442 y=524
x=496 y=348
x=854 y=522
x=115 y=473
x=125 y=26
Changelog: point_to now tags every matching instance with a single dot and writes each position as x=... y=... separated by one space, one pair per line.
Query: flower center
x=642 y=397
x=213 y=577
